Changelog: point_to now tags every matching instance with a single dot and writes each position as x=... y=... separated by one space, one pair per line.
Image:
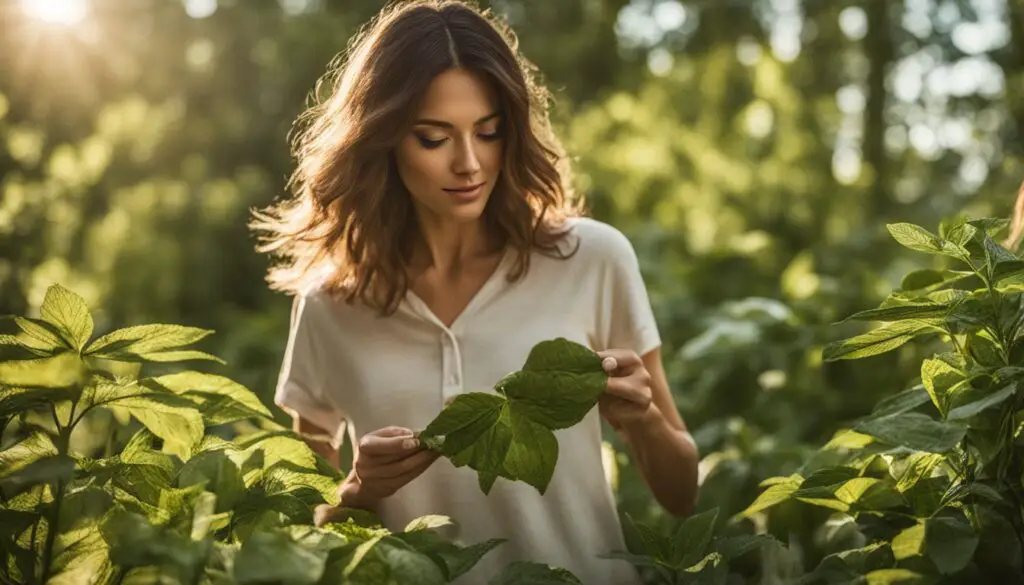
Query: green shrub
x=931 y=480
x=179 y=503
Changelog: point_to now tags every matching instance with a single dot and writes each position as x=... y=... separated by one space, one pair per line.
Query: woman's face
x=451 y=158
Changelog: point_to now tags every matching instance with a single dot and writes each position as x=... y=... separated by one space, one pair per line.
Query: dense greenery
x=753 y=150
x=178 y=502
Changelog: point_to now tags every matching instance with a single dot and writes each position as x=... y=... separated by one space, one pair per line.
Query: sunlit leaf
x=915 y=431
x=69 y=312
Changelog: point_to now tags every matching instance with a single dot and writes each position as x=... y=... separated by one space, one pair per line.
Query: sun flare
x=62 y=12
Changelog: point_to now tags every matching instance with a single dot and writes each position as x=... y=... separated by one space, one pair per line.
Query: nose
x=466 y=162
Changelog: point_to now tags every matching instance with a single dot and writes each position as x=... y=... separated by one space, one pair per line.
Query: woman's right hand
x=387 y=459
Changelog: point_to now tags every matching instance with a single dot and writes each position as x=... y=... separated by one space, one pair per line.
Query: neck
x=448 y=247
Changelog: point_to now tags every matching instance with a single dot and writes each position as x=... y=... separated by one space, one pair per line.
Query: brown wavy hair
x=349 y=226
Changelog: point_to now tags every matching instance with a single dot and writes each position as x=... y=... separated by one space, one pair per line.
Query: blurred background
x=753 y=150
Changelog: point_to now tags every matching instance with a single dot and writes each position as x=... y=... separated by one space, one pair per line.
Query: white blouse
x=347 y=367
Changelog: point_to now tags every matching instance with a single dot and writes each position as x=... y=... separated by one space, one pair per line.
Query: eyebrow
x=443 y=124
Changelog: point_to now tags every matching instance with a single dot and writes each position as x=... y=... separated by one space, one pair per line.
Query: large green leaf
x=913 y=469
x=850 y=565
x=904 y=401
x=41 y=336
x=48 y=469
x=915 y=431
x=921 y=240
x=509 y=434
x=939 y=377
x=965 y=411
x=879 y=340
x=901 y=312
x=69 y=313
x=83 y=558
x=950 y=543
x=275 y=557
x=169 y=417
x=218 y=473
x=35 y=447
x=774 y=495
x=220 y=399
x=154 y=343
x=15 y=400
x=527 y=573
x=909 y=542
x=690 y=541
x=893 y=577
x=135 y=542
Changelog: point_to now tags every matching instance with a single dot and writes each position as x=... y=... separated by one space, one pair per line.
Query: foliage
x=178 y=503
x=933 y=479
x=509 y=433
x=693 y=554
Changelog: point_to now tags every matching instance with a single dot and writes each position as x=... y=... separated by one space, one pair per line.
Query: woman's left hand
x=628 y=398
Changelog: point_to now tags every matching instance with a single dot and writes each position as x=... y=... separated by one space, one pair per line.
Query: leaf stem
x=63 y=443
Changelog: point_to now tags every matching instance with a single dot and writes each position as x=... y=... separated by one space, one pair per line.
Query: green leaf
x=155 y=343
x=429 y=522
x=961 y=235
x=508 y=434
x=45 y=470
x=169 y=417
x=849 y=565
x=921 y=240
x=915 y=468
x=690 y=542
x=900 y=312
x=35 y=447
x=68 y=312
x=915 y=237
x=880 y=340
x=558 y=385
x=462 y=423
x=774 y=495
x=532 y=453
x=135 y=542
x=939 y=377
x=921 y=279
x=904 y=401
x=15 y=400
x=970 y=409
x=220 y=399
x=41 y=335
x=909 y=542
x=82 y=559
x=950 y=543
x=915 y=431
x=892 y=577
x=218 y=473
x=527 y=573
x=733 y=547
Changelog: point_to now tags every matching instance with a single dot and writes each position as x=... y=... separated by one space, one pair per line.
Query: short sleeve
x=300 y=388
x=626 y=319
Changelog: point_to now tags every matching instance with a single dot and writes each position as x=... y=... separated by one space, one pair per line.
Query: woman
x=431 y=243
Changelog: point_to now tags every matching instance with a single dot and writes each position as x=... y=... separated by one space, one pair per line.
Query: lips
x=465 y=189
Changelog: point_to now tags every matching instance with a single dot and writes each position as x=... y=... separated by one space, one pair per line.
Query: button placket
x=451 y=364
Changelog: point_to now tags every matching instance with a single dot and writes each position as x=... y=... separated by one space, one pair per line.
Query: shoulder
x=600 y=242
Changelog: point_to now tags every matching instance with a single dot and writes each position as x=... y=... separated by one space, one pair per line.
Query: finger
x=622 y=361
x=323 y=514
x=377 y=445
x=394 y=484
x=628 y=389
x=397 y=468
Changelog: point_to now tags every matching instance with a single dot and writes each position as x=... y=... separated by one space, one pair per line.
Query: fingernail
x=410 y=443
x=609 y=363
